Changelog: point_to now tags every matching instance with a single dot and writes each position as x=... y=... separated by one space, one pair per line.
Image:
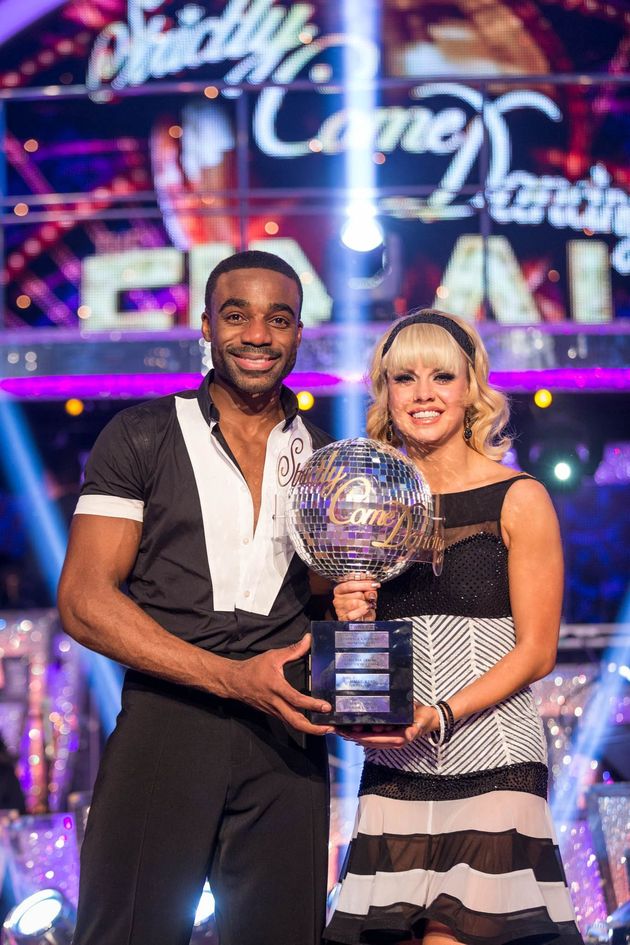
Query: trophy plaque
x=365 y=671
x=359 y=508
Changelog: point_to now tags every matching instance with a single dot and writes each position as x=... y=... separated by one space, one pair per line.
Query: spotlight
x=205 y=909
x=204 y=929
x=559 y=465
x=362 y=231
x=45 y=918
x=559 y=450
x=563 y=471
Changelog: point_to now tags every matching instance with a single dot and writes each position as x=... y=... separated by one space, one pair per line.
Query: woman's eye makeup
x=402 y=377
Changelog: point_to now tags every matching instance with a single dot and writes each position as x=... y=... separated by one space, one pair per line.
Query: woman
x=454 y=840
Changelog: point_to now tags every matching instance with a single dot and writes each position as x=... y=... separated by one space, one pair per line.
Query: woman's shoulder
x=526 y=504
x=490 y=474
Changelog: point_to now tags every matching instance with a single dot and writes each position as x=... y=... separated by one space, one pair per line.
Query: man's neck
x=239 y=407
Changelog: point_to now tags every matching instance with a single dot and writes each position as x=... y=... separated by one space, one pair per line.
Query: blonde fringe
x=488 y=408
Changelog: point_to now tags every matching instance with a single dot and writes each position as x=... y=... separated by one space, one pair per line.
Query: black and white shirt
x=201 y=571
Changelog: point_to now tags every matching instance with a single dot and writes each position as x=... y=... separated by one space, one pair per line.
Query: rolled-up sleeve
x=115 y=474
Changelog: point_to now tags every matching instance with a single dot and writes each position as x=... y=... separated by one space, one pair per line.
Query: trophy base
x=364 y=670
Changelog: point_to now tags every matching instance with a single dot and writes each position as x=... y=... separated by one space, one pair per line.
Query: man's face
x=254 y=329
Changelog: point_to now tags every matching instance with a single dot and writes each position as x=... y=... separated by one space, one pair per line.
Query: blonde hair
x=487 y=408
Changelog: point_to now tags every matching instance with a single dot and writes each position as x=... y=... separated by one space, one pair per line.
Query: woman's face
x=427 y=405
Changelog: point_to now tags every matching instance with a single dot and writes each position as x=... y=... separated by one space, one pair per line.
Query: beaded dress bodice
x=462 y=625
x=474 y=579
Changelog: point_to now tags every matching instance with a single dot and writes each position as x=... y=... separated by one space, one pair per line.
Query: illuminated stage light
x=362 y=231
x=31 y=145
x=84 y=311
x=74 y=407
x=442 y=292
x=205 y=909
x=315 y=145
x=305 y=400
x=20 y=209
x=563 y=471
x=553 y=275
x=543 y=398
x=557 y=466
x=271 y=227
x=46 y=917
x=211 y=91
x=204 y=927
x=379 y=157
x=561 y=452
x=23 y=301
x=176 y=131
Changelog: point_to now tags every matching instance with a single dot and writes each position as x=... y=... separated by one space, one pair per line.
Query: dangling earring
x=389 y=431
x=467 y=426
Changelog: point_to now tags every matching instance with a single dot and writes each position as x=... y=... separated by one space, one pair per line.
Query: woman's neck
x=449 y=467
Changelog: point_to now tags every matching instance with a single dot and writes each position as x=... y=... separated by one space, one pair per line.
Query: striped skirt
x=475 y=852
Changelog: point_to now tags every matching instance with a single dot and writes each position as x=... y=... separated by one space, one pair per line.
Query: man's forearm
x=107 y=621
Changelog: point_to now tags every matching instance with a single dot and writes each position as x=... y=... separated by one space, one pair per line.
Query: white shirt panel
x=247 y=570
x=268 y=556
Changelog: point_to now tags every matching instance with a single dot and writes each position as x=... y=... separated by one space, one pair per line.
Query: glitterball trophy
x=360 y=509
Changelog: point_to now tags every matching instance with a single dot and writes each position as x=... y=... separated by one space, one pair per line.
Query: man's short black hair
x=252 y=259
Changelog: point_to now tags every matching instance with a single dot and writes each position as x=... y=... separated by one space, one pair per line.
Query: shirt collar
x=210 y=411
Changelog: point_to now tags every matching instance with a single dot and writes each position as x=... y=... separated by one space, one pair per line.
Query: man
x=213 y=769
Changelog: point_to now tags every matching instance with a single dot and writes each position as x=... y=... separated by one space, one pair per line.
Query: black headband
x=432 y=318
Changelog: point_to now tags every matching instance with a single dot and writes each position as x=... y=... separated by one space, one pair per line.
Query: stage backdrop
x=144 y=141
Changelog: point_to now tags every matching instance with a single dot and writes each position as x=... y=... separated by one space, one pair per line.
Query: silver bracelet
x=438 y=737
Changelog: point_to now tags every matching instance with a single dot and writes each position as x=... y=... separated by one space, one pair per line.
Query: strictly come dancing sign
x=262 y=41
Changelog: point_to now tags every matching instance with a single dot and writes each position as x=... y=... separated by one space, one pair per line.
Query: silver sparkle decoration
x=359 y=508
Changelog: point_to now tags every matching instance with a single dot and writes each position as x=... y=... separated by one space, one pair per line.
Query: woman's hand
x=425 y=720
x=356 y=600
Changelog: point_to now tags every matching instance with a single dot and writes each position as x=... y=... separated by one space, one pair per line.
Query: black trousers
x=193 y=787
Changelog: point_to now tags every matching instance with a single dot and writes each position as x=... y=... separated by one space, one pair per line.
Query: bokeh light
x=74 y=407
x=543 y=398
x=305 y=400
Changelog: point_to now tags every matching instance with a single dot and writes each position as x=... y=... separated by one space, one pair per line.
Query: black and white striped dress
x=462 y=833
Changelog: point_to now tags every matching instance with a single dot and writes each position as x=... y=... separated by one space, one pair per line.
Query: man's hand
x=260 y=682
x=380 y=736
